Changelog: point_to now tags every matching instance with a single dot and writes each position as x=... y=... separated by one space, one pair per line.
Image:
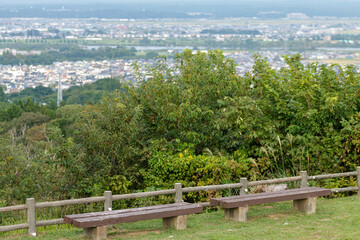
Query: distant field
x=335 y=219
x=337 y=61
x=355 y=31
x=238 y=21
x=48 y=42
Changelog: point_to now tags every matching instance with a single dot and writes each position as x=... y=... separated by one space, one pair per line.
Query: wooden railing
x=178 y=190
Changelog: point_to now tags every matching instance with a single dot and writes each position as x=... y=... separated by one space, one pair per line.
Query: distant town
x=322 y=39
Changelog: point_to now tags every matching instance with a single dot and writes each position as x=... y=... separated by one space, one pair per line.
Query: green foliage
x=308 y=106
x=91 y=92
x=151 y=54
x=199 y=101
x=11 y=111
x=274 y=123
x=196 y=105
x=37 y=94
x=26 y=120
x=67 y=54
x=112 y=139
x=23 y=172
x=2 y=94
x=66 y=118
x=88 y=93
x=167 y=167
x=196 y=122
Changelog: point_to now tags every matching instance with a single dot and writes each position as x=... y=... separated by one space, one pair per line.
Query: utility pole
x=59 y=95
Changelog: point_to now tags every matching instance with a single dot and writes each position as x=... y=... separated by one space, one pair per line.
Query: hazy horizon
x=178 y=9
x=117 y=2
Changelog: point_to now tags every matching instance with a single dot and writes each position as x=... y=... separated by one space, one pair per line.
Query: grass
x=334 y=219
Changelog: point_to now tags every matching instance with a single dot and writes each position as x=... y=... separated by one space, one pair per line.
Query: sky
x=26 y=2
x=216 y=2
x=150 y=1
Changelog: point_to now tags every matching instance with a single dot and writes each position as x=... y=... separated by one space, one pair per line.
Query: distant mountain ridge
x=179 y=9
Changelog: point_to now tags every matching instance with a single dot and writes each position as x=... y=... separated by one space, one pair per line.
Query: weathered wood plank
x=137 y=216
x=13 y=227
x=70 y=202
x=44 y=223
x=69 y=218
x=273 y=181
x=211 y=187
x=256 y=200
x=13 y=208
x=143 y=194
x=336 y=190
x=333 y=175
x=216 y=201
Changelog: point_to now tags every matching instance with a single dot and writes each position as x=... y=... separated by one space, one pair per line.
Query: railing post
x=108 y=201
x=244 y=186
x=304 y=179
x=178 y=193
x=358 y=180
x=31 y=216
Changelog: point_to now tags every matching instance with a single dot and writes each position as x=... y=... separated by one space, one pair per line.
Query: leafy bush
x=167 y=167
x=196 y=122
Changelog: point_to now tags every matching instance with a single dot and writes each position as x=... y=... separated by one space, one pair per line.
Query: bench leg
x=96 y=233
x=307 y=205
x=236 y=214
x=178 y=223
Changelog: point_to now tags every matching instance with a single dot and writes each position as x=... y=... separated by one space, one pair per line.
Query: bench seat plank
x=216 y=201
x=262 y=198
x=270 y=199
x=137 y=216
x=69 y=218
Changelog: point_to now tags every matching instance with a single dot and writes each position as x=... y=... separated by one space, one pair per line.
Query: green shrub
x=166 y=168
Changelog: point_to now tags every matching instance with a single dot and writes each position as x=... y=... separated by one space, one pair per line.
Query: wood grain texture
x=69 y=218
x=262 y=198
x=97 y=221
x=87 y=220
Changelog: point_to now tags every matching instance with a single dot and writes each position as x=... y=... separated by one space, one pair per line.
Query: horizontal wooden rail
x=335 y=175
x=142 y=194
x=49 y=222
x=13 y=208
x=211 y=187
x=69 y=202
x=347 y=189
x=205 y=204
x=273 y=181
x=178 y=190
x=14 y=227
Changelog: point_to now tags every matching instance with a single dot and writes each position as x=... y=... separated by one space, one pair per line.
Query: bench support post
x=96 y=233
x=178 y=222
x=307 y=205
x=236 y=214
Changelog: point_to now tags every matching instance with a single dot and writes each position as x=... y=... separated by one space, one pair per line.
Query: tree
x=200 y=101
x=2 y=94
x=197 y=102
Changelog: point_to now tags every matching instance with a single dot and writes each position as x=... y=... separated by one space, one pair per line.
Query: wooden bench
x=236 y=207
x=94 y=224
